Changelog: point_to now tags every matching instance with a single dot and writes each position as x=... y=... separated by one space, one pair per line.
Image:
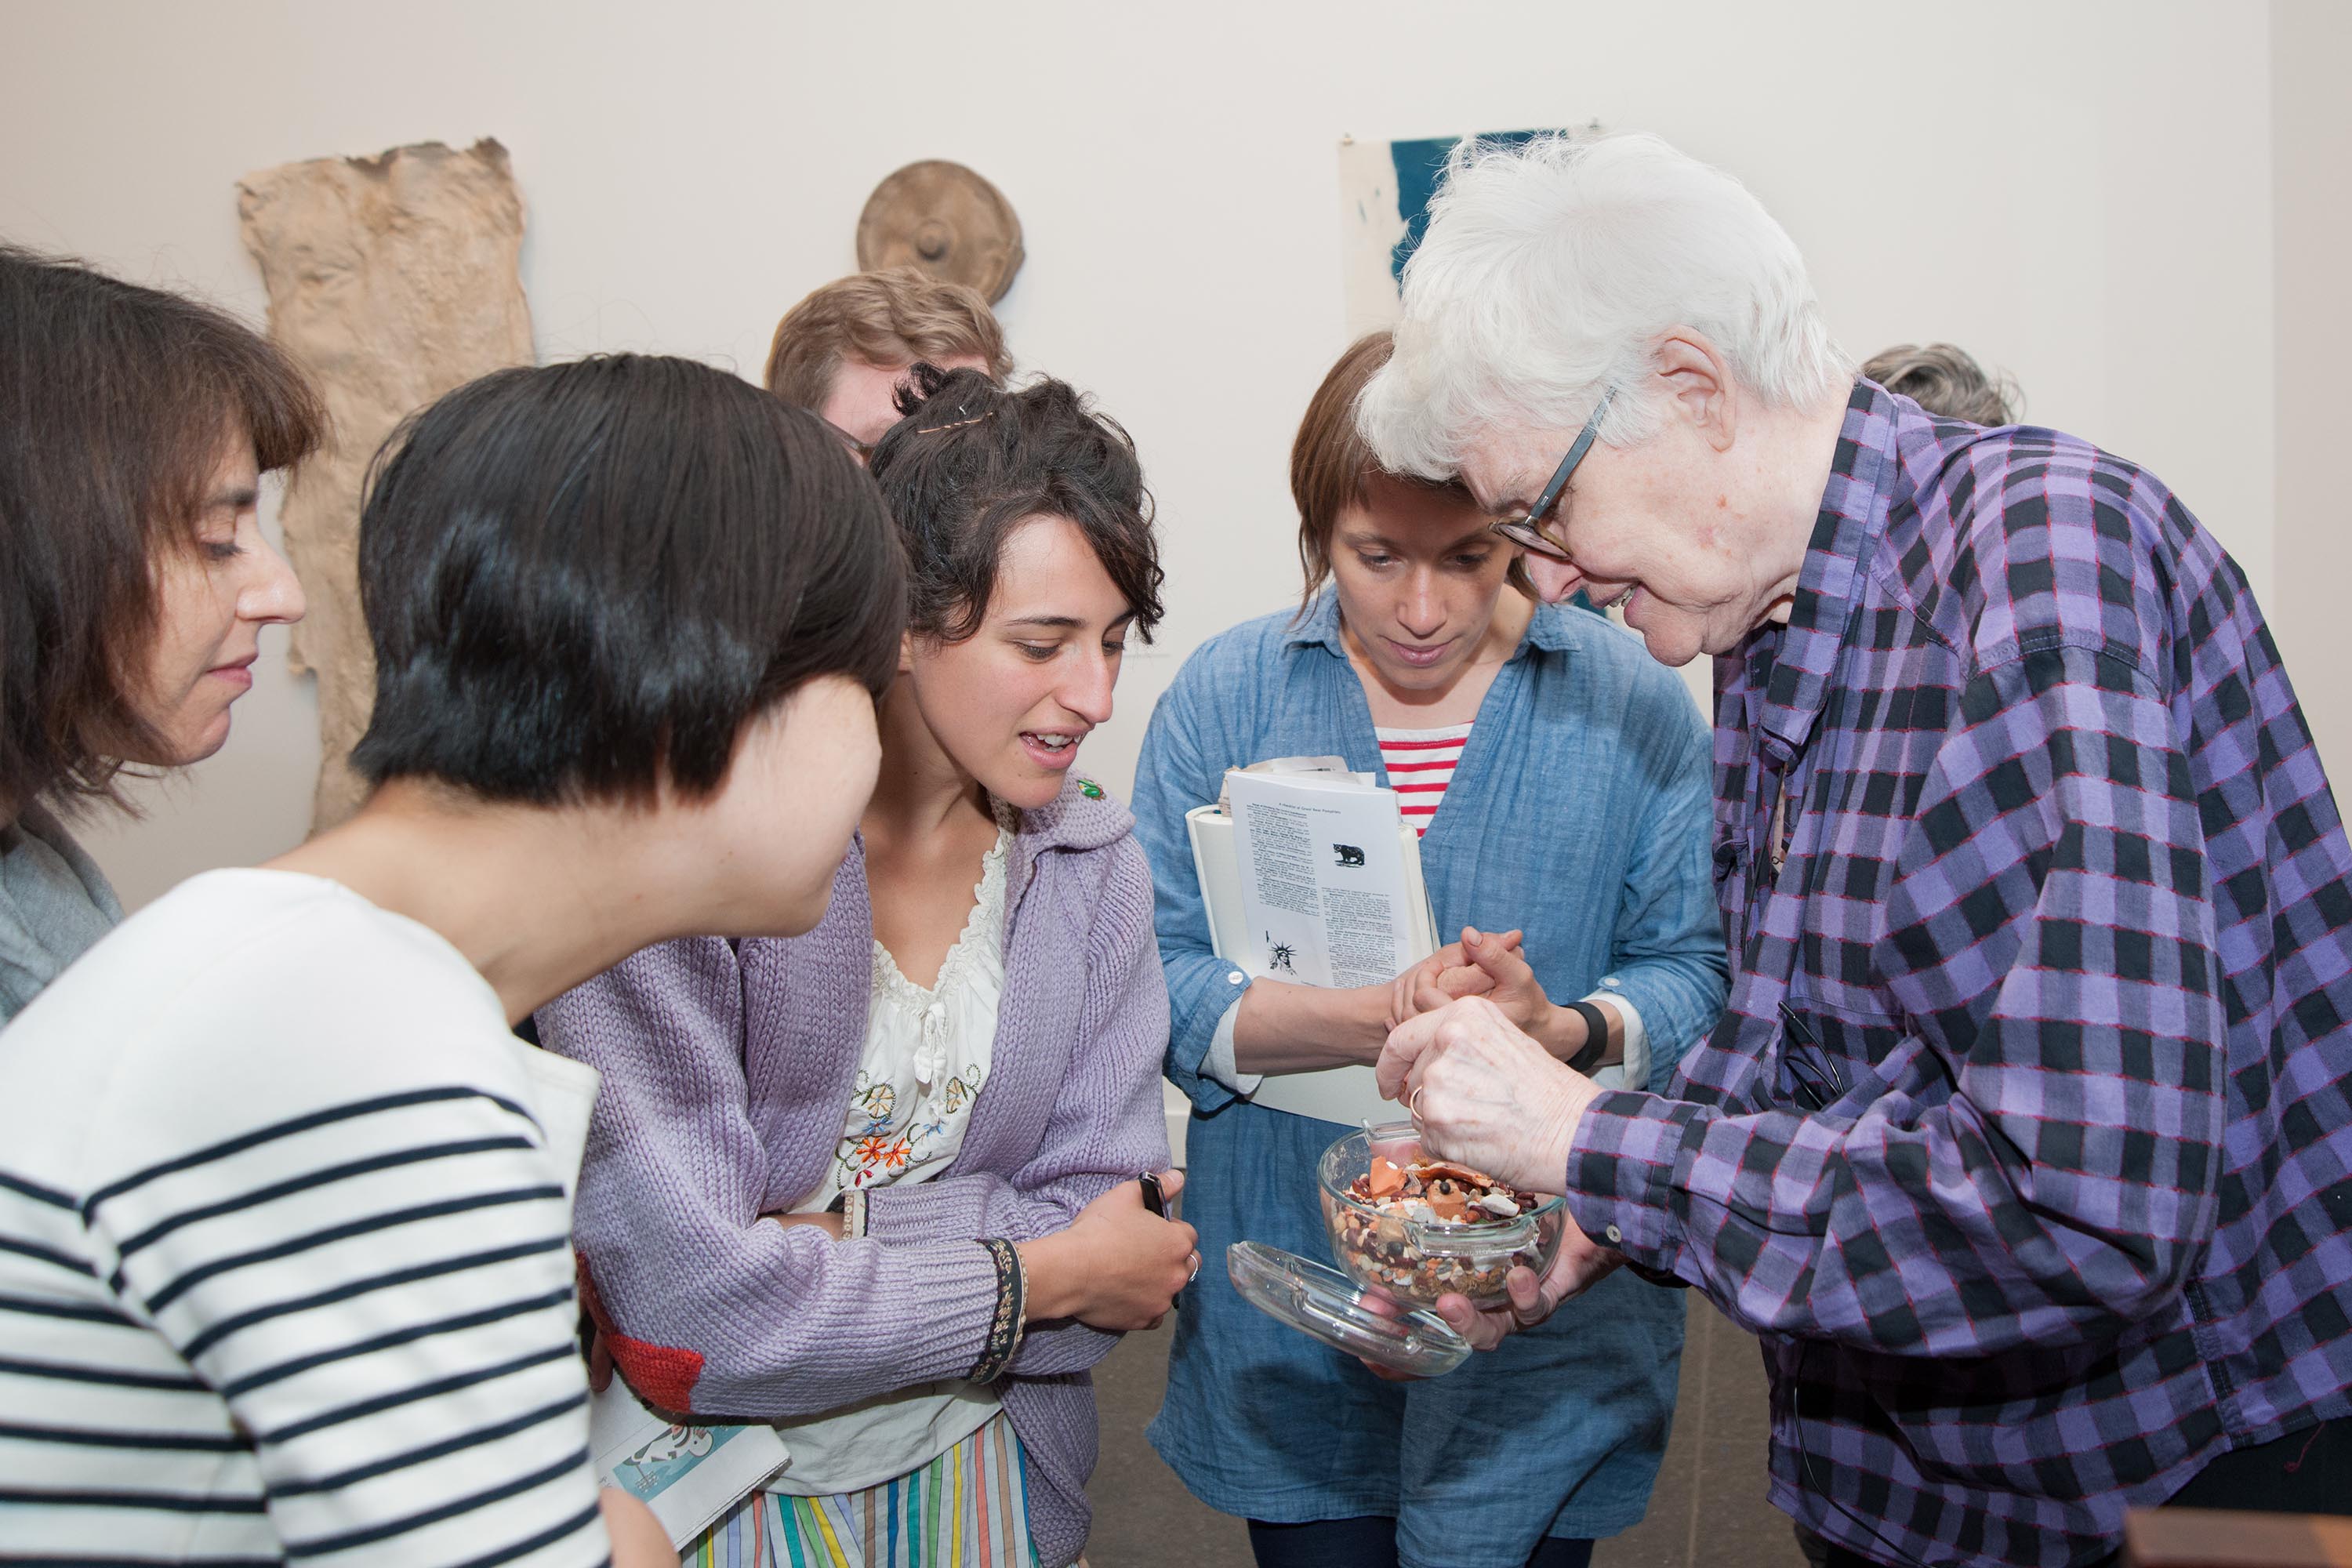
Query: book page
x=1324 y=889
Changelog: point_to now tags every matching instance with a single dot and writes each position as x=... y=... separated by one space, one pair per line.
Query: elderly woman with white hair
x=2025 y=1141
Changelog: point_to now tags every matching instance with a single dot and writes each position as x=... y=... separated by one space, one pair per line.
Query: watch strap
x=1596 y=1037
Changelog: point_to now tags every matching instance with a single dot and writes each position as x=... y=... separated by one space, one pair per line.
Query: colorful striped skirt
x=967 y=1509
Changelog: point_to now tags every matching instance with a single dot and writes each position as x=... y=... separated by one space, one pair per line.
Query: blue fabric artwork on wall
x=1420 y=164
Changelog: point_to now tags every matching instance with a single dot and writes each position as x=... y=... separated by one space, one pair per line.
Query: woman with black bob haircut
x=876 y=1185
x=285 y=1198
x=135 y=427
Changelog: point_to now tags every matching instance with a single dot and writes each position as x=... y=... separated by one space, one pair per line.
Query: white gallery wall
x=2082 y=194
x=2311 y=177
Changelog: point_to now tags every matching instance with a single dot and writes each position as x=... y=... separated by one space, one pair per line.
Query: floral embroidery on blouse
x=926 y=1050
x=881 y=1149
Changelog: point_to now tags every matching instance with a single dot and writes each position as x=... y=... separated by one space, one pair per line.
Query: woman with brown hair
x=134 y=428
x=876 y=1186
x=1543 y=759
x=285 y=1261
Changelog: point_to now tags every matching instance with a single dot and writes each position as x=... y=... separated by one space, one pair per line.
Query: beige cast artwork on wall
x=391 y=279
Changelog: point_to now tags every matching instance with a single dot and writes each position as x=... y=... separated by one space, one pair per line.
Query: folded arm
x=712 y=1310
x=1107 y=1126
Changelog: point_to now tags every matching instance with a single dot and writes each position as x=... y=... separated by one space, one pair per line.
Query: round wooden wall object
x=945 y=220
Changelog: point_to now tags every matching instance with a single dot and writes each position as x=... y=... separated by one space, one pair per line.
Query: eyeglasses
x=1528 y=532
x=864 y=450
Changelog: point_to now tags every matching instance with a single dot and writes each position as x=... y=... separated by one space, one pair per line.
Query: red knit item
x=663 y=1375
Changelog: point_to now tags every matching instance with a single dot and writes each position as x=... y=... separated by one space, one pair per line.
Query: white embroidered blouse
x=925 y=1058
x=927 y=1053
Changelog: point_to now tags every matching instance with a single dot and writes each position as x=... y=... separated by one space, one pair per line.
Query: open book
x=1309 y=874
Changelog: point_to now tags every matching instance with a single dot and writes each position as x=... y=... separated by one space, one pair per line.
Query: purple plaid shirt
x=2024 y=1141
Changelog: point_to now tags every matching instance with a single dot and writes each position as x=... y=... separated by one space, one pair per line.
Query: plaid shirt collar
x=1792 y=671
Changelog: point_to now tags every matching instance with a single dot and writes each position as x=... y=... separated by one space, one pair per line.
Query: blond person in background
x=845 y=351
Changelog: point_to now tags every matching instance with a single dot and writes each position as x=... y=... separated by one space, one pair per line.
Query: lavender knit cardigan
x=727 y=1069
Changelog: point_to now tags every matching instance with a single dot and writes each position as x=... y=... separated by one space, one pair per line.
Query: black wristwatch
x=1596 y=1037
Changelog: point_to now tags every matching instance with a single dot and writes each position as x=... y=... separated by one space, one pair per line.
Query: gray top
x=54 y=903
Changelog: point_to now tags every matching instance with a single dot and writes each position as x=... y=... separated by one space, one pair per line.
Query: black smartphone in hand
x=1153 y=1198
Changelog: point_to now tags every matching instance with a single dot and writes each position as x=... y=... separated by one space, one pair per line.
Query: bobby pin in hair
x=958 y=425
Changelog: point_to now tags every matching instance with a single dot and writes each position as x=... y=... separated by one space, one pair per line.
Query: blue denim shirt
x=1581 y=811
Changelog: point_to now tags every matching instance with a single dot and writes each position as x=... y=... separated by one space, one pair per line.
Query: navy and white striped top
x=284 y=1261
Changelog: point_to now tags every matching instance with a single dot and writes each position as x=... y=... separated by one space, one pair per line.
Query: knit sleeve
x=1106 y=1125
x=709 y=1308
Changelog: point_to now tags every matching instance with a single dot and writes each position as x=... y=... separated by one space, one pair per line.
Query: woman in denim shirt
x=1571 y=725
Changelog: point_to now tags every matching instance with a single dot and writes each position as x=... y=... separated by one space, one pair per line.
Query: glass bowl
x=1327 y=1305
x=1416 y=1258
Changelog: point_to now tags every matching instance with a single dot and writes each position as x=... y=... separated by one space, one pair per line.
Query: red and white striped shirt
x=1420 y=764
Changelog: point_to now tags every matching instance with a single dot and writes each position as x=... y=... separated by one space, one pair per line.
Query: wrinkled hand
x=1485 y=1093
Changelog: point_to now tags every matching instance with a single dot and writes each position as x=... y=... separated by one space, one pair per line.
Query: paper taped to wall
x=391 y=279
x=1385 y=188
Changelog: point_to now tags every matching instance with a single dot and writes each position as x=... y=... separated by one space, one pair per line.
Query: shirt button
x=1614 y=1235
x=1233 y=979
